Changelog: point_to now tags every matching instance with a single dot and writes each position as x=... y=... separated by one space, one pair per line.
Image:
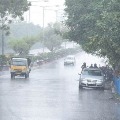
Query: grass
x=117 y=96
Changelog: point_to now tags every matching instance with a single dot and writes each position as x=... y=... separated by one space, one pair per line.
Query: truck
x=20 y=67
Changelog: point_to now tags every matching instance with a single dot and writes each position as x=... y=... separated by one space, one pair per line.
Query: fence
x=116 y=81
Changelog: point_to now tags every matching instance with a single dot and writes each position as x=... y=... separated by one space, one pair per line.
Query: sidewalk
x=113 y=90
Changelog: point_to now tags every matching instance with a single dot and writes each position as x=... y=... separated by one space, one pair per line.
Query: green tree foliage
x=62 y=30
x=52 y=40
x=22 y=46
x=9 y=10
x=95 y=24
x=21 y=30
x=3 y=60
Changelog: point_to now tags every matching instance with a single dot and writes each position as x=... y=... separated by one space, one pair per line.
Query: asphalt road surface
x=52 y=93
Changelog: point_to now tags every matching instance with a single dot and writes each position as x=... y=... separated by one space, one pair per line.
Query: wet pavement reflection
x=51 y=93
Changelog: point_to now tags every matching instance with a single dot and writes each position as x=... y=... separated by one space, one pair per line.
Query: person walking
x=83 y=65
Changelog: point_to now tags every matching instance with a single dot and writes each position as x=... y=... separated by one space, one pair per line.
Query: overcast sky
x=50 y=15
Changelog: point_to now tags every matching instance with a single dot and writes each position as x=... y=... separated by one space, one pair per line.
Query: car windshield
x=92 y=72
x=19 y=63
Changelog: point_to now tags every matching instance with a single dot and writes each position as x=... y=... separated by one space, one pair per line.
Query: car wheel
x=80 y=86
x=12 y=76
x=26 y=75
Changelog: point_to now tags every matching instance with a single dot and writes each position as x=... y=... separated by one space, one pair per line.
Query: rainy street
x=52 y=93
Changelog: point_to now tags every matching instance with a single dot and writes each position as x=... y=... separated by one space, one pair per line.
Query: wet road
x=51 y=93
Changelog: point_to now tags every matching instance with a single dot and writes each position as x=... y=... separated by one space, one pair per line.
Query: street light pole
x=56 y=14
x=43 y=34
x=2 y=40
x=43 y=26
x=2 y=37
x=29 y=15
x=43 y=19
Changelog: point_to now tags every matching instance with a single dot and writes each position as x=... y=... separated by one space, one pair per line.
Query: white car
x=69 y=60
x=91 y=77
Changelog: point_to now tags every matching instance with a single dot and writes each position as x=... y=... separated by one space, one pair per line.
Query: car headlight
x=100 y=80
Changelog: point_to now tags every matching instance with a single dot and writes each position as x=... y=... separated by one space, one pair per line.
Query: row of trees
x=52 y=40
x=20 y=30
x=95 y=24
x=23 y=45
x=11 y=10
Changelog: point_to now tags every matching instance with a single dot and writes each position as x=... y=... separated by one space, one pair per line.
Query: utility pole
x=2 y=34
x=43 y=26
x=2 y=37
x=43 y=19
x=29 y=15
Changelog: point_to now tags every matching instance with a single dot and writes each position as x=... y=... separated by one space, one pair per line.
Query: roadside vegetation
x=47 y=57
x=54 y=36
x=43 y=57
x=10 y=10
x=95 y=25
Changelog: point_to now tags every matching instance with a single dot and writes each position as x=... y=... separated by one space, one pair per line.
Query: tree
x=9 y=10
x=61 y=29
x=52 y=40
x=21 y=30
x=22 y=46
x=95 y=24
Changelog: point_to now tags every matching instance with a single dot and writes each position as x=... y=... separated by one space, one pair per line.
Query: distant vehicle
x=91 y=77
x=20 y=67
x=69 y=60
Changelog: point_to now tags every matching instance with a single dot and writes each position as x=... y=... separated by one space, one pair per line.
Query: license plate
x=18 y=72
x=89 y=80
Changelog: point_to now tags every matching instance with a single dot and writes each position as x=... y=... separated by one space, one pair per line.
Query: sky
x=53 y=11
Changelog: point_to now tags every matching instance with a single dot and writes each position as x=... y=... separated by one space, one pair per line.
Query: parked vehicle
x=20 y=67
x=69 y=60
x=91 y=77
